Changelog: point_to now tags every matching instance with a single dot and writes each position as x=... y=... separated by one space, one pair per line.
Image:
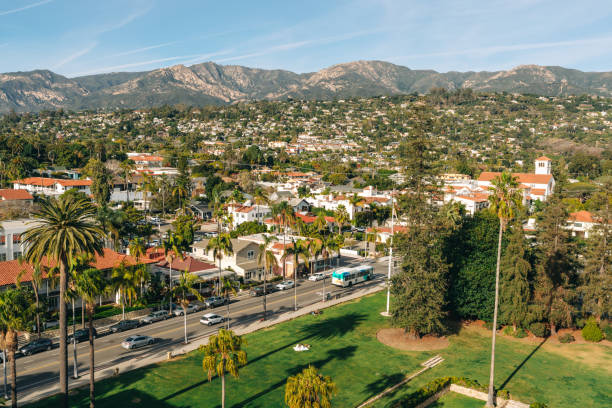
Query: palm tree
x=173 y=248
x=65 y=229
x=315 y=247
x=261 y=198
x=16 y=313
x=286 y=216
x=220 y=245
x=228 y=288
x=267 y=259
x=90 y=284
x=342 y=217
x=123 y=280
x=181 y=192
x=505 y=200
x=185 y=287
x=320 y=223
x=309 y=389
x=224 y=355
x=298 y=249
x=147 y=186
x=138 y=250
x=37 y=280
x=338 y=245
x=127 y=167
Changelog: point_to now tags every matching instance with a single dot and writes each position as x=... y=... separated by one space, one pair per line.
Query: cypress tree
x=515 y=269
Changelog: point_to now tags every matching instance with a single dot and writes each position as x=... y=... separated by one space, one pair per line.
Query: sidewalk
x=110 y=370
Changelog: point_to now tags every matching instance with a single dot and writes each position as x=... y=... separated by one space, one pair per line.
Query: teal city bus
x=349 y=276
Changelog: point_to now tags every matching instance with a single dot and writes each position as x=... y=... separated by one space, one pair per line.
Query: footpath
x=115 y=368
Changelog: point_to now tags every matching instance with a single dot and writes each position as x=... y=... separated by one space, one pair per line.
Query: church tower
x=543 y=165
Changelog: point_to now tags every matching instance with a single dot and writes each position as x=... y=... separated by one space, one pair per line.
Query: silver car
x=179 y=311
x=136 y=341
x=288 y=284
x=210 y=318
x=155 y=317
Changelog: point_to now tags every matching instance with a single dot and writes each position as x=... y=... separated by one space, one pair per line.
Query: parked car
x=124 y=325
x=136 y=341
x=214 y=301
x=81 y=335
x=288 y=284
x=155 y=317
x=210 y=318
x=36 y=346
x=258 y=290
x=179 y=311
x=316 y=277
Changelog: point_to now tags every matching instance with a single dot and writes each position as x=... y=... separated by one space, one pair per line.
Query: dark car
x=36 y=346
x=258 y=290
x=124 y=325
x=81 y=335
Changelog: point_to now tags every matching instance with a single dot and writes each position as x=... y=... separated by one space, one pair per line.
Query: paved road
x=42 y=369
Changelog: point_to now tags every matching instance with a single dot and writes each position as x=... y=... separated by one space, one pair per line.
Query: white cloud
x=76 y=55
x=40 y=3
x=137 y=50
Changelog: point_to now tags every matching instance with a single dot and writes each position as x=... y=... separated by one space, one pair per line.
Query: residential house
x=243 y=261
x=581 y=223
x=15 y=198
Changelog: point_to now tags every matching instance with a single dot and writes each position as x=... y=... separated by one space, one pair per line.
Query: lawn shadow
x=516 y=370
x=336 y=354
x=381 y=384
x=136 y=398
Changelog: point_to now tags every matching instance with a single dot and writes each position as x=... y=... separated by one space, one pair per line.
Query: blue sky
x=80 y=37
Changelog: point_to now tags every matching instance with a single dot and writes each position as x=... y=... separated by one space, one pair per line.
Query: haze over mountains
x=210 y=83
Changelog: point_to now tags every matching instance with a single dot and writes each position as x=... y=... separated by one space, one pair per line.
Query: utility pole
x=6 y=395
x=390 y=253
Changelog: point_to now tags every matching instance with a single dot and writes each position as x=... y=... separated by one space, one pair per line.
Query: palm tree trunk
x=91 y=360
x=37 y=309
x=491 y=396
x=295 y=269
x=265 y=292
x=170 y=285
x=284 y=248
x=185 y=322
x=13 y=373
x=228 y=312
x=63 y=345
x=219 y=280
x=222 y=388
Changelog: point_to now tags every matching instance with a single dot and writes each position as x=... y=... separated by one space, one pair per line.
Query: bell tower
x=543 y=165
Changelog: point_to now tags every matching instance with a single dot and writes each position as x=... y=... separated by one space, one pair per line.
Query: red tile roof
x=525 y=178
x=582 y=216
x=9 y=194
x=396 y=229
x=543 y=158
x=47 y=182
x=188 y=263
x=146 y=158
x=108 y=260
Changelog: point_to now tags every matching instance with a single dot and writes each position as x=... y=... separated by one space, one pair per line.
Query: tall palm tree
x=37 y=280
x=315 y=246
x=147 y=186
x=261 y=198
x=224 y=355
x=298 y=249
x=338 y=245
x=185 y=287
x=173 y=248
x=286 y=216
x=342 y=217
x=181 y=192
x=320 y=223
x=221 y=245
x=228 y=288
x=123 y=280
x=309 y=389
x=65 y=229
x=138 y=250
x=505 y=200
x=127 y=167
x=89 y=285
x=16 y=314
x=267 y=259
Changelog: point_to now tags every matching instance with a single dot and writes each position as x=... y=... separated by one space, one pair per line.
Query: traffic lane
x=112 y=353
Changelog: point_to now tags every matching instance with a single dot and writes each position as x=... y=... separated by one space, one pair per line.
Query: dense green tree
x=514 y=282
x=101 y=181
x=309 y=389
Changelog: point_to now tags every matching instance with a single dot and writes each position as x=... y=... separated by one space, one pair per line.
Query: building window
x=251 y=254
x=16 y=255
x=2 y=257
x=247 y=275
x=16 y=238
x=2 y=240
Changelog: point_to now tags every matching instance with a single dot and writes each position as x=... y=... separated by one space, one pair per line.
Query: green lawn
x=344 y=346
x=454 y=400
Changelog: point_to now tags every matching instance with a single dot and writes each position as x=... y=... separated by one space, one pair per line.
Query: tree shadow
x=516 y=370
x=135 y=399
x=381 y=384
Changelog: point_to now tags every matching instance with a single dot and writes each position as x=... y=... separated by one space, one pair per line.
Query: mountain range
x=210 y=83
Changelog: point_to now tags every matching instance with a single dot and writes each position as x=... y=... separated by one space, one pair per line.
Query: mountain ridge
x=211 y=83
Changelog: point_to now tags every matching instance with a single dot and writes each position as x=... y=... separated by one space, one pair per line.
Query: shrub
x=509 y=331
x=607 y=331
x=489 y=325
x=538 y=329
x=538 y=405
x=591 y=331
x=520 y=333
x=420 y=395
x=566 y=338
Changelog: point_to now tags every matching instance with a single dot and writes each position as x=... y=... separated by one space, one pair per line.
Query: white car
x=137 y=340
x=316 y=277
x=210 y=318
x=285 y=285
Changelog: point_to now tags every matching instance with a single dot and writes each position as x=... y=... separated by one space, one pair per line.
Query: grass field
x=344 y=346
